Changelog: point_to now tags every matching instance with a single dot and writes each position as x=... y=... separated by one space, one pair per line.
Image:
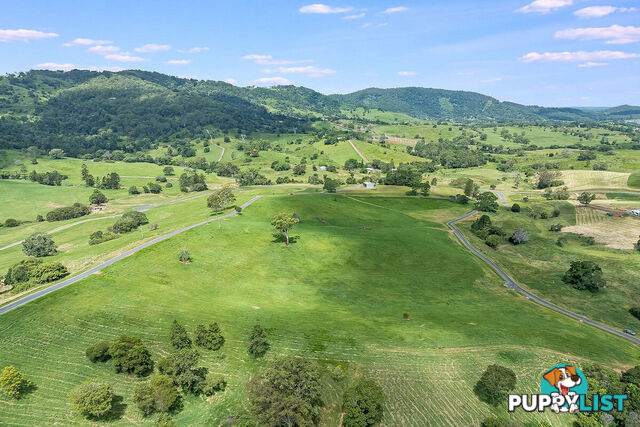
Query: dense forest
x=85 y=111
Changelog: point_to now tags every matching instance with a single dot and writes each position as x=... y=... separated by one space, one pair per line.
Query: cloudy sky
x=545 y=52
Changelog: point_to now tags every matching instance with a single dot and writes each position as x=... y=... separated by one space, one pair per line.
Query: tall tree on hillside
x=585 y=198
x=178 y=336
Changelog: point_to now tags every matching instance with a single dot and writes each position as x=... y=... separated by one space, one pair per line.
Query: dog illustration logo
x=567 y=381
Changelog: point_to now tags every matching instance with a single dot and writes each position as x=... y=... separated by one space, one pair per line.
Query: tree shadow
x=281 y=238
x=118 y=407
x=27 y=390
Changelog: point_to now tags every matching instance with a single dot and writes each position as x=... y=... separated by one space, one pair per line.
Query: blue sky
x=545 y=52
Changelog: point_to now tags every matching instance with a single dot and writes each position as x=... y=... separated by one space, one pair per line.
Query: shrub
x=129 y=221
x=258 y=344
x=158 y=395
x=182 y=368
x=39 y=218
x=492 y=240
x=178 y=336
x=154 y=188
x=39 y=245
x=184 y=255
x=68 y=212
x=515 y=207
x=92 y=398
x=337 y=373
x=585 y=198
x=167 y=170
x=153 y=226
x=130 y=355
x=520 y=236
x=461 y=199
x=584 y=275
x=100 y=237
x=556 y=227
x=635 y=312
x=164 y=420
x=544 y=215
x=168 y=185
x=22 y=271
x=12 y=382
x=209 y=337
x=11 y=222
x=161 y=178
x=213 y=384
x=363 y=404
x=49 y=272
x=561 y=241
x=97 y=198
x=587 y=240
x=556 y=212
x=99 y=352
x=134 y=190
x=495 y=383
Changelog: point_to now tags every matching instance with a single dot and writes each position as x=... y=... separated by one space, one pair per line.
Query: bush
x=92 y=398
x=154 y=188
x=12 y=382
x=161 y=178
x=129 y=221
x=363 y=404
x=99 y=352
x=461 y=199
x=182 y=368
x=584 y=275
x=97 y=198
x=520 y=236
x=515 y=207
x=258 y=344
x=130 y=355
x=134 y=190
x=495 y=383
x=164 y=420
x=561 y=241
x=178 y=336
x=635 y=312
x=213 y=384
x=100 y=237
x=68 y=212
x=22 y=271
x=11 y=222
x=158 y=395
x=39 y=245
x=184 y=255
x=492 y=240
x=49 y=272
x=556 y=227
x=209 y=337
x=39 y=218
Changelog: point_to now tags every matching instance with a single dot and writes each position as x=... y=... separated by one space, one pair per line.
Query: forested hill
x=82 y=110
x=440 y=104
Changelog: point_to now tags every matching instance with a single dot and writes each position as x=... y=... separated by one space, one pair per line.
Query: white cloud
x=272 y=81
x=372 y=25
x=68 y=67
x=23 y=35
x=103 y=50
x=268 y=60
x=230 y=80
x=491 y=80
x=356 y=16
x=395 y=10
x=194 y=50
x=55 y=66
x=600 y=11
x=124 y=57
x=408 y=73
x=615 y=34
x=582 y=56
x=592 y=64
x=324 y=9
x=309 y=70
x=86 y=42
x=151 y=47
x=178 y=61
x=544 y=6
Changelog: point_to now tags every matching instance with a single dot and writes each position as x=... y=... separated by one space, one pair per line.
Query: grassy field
x=540 y=263
x=634 y=180
x=613 y=232
x=358 y=264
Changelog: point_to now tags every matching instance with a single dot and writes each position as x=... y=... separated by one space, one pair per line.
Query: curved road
x=74 y=279
x=510 y=283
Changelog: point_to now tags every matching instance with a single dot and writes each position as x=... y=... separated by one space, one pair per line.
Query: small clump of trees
x=495 y=384
x=98 y=237
x=98 y=198
x=68 y=212
x=32 y=271
x=487 y=202
x=219 y=200
x=39 y=245
x=584 y=275
x=585 y=197
x=363 y=404
x=130 y=355
x=129 y=221
x=159 y=394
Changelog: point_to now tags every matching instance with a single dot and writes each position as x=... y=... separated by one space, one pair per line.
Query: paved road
x=74 y=279
x=510 y=283
x=364 y=159
x=64 y=227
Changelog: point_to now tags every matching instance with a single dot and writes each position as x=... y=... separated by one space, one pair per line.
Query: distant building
x=369 y=170
x=322 y=168
x=368 y=184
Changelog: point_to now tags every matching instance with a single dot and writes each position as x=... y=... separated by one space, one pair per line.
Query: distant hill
x=440 y=104
x=85 y=110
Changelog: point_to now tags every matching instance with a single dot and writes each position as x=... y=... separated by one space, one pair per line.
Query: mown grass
x=634 y=180
x=336 y=295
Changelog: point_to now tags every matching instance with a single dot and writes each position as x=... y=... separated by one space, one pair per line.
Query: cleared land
x=613 y=232
x=358 y=265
